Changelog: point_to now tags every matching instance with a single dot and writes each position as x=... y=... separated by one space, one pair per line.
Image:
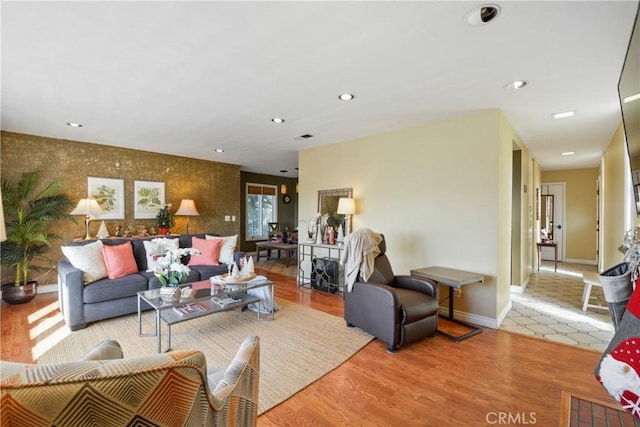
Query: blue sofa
x=81 y=304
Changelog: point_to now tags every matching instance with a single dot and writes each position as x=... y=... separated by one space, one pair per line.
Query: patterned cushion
x=132 y=391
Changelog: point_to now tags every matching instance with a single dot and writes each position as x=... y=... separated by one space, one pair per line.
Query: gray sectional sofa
x=81 y=304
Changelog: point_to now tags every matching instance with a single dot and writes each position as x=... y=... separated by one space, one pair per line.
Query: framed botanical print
x=109 y=193
x=148 y=198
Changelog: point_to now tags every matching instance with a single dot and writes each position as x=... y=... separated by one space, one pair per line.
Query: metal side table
x=454 y=279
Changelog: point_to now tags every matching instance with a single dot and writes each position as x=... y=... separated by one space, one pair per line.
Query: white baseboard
x=520 y=288
x=505 y=311
x=44 y=289
x=581 y=261
x=470 y=318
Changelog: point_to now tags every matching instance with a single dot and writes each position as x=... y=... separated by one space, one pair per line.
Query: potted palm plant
x=29 y=210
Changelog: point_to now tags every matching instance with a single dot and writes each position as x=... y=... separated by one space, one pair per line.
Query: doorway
x=552 y=216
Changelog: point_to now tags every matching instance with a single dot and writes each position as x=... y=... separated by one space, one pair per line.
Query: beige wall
x=440 y=193
x=215 y=187
x=581 y=205
x=613 y=221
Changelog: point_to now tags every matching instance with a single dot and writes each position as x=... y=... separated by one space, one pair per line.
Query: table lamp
x=90 y=208
x=187 y=208
x=346 y=207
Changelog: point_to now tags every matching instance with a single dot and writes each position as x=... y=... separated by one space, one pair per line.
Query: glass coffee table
x=206 y=298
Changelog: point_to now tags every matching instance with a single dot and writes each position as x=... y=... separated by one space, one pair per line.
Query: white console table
x=313 y=258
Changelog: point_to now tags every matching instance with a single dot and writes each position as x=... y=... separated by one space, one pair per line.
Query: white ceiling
x=185 y=78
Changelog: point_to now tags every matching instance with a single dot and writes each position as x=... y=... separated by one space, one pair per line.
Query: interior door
x=557 y=191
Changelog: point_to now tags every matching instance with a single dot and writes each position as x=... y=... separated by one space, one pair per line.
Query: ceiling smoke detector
x=482 y=15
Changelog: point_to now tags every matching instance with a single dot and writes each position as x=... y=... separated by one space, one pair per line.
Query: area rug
x=298 y=348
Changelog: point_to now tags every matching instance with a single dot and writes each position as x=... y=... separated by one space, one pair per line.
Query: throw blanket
x=360 y=249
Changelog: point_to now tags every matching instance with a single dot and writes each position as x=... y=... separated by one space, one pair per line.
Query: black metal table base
x=457 y=338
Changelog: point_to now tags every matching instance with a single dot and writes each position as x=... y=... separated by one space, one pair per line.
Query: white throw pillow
x=227 y=249
x=158 y=247
x=89 y=259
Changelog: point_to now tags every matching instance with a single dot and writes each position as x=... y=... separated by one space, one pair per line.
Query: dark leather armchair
x=398 y=310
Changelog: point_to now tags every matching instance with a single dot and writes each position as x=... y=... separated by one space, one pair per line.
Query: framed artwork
x=109 y=192
x=148 y=198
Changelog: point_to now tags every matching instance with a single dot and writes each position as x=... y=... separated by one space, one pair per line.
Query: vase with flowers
x=171 y=272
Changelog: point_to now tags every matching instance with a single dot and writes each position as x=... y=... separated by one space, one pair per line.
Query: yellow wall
x=440 y=193
x=613 y=221
x=581 y=205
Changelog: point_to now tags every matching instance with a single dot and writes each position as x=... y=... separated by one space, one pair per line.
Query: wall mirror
x=628 y=89
x=546 y=216
x=328 y=202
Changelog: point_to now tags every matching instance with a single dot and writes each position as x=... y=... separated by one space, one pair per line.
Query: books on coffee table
x=186 y=309
x=226 y=300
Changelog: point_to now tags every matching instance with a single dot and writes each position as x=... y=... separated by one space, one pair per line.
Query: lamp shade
x=88 y=207
x=346 y=206
x=187 y=208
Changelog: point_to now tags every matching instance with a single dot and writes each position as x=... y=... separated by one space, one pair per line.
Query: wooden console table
x=454 y=279
x=553 y=245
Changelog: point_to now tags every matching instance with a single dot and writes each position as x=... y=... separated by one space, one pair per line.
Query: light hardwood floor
x=435 y=382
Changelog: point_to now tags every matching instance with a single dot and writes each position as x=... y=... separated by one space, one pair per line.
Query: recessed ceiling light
x=277 y=120
x=516 y=84
x=632 y=98
x=219 y=150
x=563 y=115
x=74 y=125
x=568 y=153
x=346 y=97
x=482 y=15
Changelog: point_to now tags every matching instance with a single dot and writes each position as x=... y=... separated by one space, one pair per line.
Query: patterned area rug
x=298 y=348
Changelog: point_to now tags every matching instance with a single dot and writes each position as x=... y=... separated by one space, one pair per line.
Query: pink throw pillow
x=119 y=260
x=210 y=250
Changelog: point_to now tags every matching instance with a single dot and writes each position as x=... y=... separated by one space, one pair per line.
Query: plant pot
x=165 y=231
x=12 y=294
x=169 y=294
